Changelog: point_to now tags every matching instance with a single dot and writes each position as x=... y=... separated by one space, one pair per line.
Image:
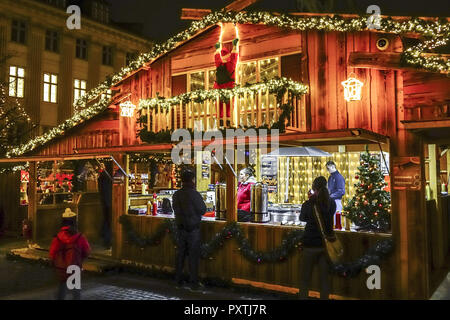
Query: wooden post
x=32 y=198
x=231 y=191
x=259 y=108
x=119 y=206
x=267 y=108
x=148 y=119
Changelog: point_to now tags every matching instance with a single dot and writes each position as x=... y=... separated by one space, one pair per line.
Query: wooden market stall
x=171 y=88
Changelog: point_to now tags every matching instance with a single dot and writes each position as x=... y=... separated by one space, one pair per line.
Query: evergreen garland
x=290 y=242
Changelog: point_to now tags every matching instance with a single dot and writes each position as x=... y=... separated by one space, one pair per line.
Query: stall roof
x=55 y=158
x=295 y=139
x=299 y=152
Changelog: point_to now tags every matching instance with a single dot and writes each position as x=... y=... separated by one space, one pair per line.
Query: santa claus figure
x=225 y=73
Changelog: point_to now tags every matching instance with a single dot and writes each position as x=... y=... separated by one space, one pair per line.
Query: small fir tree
x=370 y=208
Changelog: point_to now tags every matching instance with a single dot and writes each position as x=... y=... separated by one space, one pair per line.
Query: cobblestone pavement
x=21 y=280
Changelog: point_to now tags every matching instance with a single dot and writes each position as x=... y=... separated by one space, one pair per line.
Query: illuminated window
x=16 y=81
x=107 y=94
x=258 y=71
x=197 y=81
x=79 y=89
x=268 y=69
x=247 y=73
x=211 y=79
x=50 y=87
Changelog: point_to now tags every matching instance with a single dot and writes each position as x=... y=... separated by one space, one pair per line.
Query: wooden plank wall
x=228 y=263
x=97 y=133
x=327 y=62
x=13 y=213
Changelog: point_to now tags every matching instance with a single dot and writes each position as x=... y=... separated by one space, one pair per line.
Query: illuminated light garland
x=199 y=96
x=438 y=31
x=14 y=169
x=58 y=131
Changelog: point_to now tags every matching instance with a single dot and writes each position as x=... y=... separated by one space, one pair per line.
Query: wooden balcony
x=257 y=106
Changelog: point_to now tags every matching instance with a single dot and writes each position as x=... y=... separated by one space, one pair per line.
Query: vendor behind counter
x=246 y=180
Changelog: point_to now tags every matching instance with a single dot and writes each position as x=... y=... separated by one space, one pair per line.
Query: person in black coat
x=189 y=207
x=105 y=190
x=313 y=246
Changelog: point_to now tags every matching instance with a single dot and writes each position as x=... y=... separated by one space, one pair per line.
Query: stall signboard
x=406 y=173
x=269 y=172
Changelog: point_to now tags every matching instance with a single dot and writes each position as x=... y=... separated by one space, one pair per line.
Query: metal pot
x=221 y=201
x=259 y=203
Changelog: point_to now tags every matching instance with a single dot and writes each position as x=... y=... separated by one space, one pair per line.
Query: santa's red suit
x=225 y=73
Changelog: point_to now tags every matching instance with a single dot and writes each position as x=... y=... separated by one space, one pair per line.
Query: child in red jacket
x=68 y=248
x=225 y=73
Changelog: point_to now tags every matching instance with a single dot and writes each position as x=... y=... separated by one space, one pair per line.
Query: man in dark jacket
x=336 y=185
x=189 y=207
x=105 y=190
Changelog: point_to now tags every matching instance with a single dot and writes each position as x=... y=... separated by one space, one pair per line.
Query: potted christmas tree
x=370 y=207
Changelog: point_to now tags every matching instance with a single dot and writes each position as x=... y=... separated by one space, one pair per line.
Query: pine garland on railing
x=289 y=244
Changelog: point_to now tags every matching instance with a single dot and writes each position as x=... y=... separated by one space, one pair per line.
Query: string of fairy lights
x=436 y=33
x=200 y=96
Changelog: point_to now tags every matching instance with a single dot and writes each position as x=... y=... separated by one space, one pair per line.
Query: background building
x=49 y=66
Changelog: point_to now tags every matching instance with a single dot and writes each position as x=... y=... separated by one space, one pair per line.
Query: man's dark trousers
x=188 y=245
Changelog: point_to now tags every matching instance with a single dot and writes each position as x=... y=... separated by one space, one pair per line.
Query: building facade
x=48 y=66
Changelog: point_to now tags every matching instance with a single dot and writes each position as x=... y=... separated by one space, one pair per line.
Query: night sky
x=161 y=18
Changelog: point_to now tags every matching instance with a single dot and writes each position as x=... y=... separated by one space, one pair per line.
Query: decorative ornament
x=352 y=88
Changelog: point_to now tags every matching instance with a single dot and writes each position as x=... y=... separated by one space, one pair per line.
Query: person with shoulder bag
x=314 y=250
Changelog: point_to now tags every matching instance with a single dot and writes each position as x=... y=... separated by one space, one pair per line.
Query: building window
x=50 y=87
x=257 y=71
x=107 y=94
x=16 y=81
x=18 y=31
x=79 y=89
x=197 y=81
x=81 y=49
x=107 y=56
x=51 y=41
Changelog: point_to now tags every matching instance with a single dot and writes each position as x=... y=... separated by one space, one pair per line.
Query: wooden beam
x=426 y=124
x=194 y=14
x=380 y=60
x=199 y=14
x=239 y=5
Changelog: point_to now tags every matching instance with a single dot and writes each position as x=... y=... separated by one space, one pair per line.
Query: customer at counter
x=246 y=180
x=336 y=185
x=189 y=207
x=313 y=247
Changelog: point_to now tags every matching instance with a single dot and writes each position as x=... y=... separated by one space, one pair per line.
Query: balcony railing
x=260 y=105
x=435 y=112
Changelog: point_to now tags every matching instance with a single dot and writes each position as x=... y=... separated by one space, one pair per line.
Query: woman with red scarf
x=225 y=73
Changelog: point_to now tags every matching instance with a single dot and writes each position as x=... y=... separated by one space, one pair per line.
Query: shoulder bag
x=333 y=245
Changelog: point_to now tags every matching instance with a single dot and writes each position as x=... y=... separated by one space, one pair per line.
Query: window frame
x=52 y=41
x=16 y=78
x=19 y=31
x=108 y=51
x=258 y=69
x=81 y=49
x=79 y=90
x=51 y=85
